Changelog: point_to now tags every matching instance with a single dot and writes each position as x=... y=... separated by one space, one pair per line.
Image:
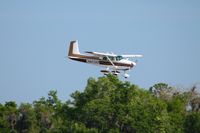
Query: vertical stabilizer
x=73 y=48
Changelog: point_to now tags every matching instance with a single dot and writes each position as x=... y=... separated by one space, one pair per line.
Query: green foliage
x=80 y=128
x=107 y=105
x=26 y=122
x=192 y=123
x=10 y=115
x=111 y=104
x=177 y=112
x=4 y=126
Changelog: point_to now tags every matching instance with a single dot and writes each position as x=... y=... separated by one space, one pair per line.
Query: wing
x=131 y=56
x=100 y=54
x=113 y=55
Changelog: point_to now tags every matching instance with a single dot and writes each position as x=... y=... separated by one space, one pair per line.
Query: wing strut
x=111 y=61
x=115 y=72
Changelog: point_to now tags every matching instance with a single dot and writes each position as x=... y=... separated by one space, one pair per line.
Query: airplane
x=111 y=61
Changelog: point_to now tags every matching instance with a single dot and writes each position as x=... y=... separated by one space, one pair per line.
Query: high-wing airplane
x=113 y=62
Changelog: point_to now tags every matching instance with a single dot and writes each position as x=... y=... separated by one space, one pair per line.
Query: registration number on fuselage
x=92 y=61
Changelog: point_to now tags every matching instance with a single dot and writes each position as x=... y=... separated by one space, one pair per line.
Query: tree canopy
x=107 y=105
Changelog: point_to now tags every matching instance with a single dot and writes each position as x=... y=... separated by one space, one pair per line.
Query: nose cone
x=133 y=64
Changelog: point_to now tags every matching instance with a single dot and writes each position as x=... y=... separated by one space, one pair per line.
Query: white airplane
x=110 y=61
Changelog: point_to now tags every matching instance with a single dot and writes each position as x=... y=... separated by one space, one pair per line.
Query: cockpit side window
x=118 y=58
x=110 y=57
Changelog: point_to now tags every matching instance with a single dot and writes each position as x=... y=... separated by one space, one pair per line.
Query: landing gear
x=105 y=72
x=115 y=72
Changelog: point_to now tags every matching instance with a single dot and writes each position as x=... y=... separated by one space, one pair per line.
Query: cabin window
x=105 y=58
x=111 y=58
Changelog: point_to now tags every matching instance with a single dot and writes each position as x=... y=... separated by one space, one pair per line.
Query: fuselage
x=121 y=64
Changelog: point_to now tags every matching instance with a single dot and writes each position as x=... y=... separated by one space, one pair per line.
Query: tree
x=192 y=123
x=162 y=90
x=49 y=113
x=109 y=104
x=4 y=125
x=148 y=113
x=10 y=115
x=27 y=122
x=177 y=112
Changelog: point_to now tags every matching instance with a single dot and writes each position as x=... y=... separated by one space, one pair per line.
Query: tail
x=73 y=49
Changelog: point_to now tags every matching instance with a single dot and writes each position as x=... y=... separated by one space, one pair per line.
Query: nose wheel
x=126 y=75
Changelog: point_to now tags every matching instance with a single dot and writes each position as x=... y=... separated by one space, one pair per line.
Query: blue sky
x=35 y=35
